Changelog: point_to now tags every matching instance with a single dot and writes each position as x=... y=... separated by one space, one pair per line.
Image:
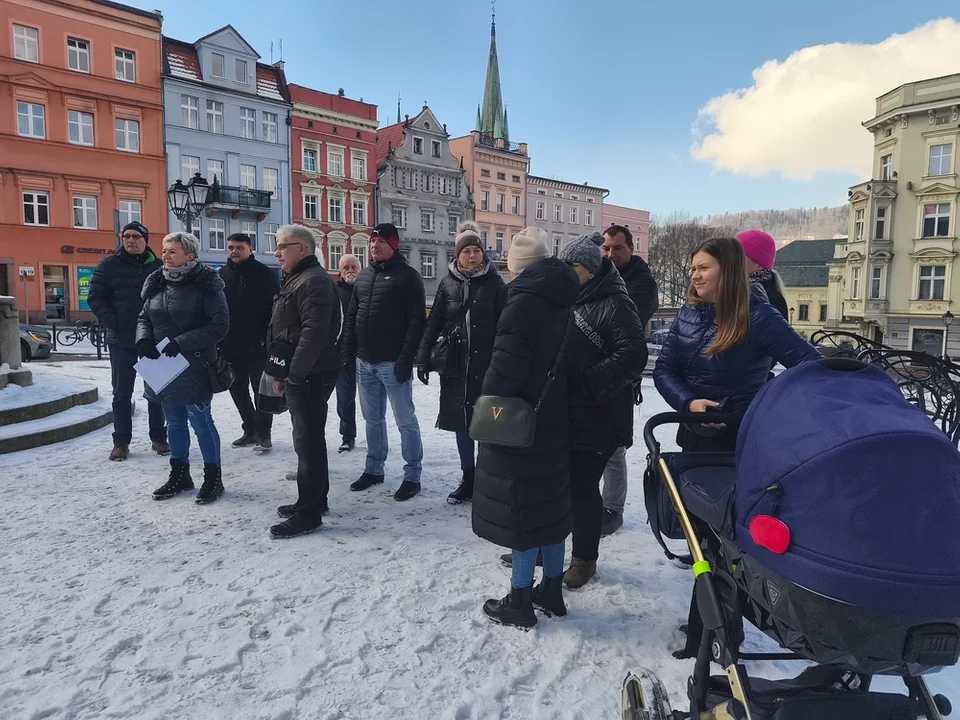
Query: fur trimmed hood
x=206 y=278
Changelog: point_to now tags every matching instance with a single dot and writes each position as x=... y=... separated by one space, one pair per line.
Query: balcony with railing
x=489 y=141
x=240 y=198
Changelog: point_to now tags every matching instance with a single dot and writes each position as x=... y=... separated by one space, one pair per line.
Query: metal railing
x=498 y=143
x=240 y=197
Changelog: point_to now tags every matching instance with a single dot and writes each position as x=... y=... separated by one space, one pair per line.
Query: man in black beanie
x=115 y=299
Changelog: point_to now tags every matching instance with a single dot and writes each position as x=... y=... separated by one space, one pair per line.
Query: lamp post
x=947 y=322
x=188 y=201
x=791 y=317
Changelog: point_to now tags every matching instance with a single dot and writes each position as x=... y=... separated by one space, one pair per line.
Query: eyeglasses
x=128 y=236
x=284 y=246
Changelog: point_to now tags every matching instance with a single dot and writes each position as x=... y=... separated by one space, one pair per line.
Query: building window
x=936 y=220
x=435 y=148
x=30 y=121
x=515 y=204
x=336 y=255
x=540 y=213
x=453 y=221
x=588 y=217
x=84 y=212
x=215 y=171
x=485 y=239
x=823 y=313
x=130 y=211
x=855 y=283
x=270 y=237
x=217 y=234
x=941 y=160
x=516 y=178
x=214 y=116
x=409 y=179
x=418 y=146
x=875 y=275
x=426 y=221
x=428 y=182
x=359 y=213
x=541 y=192
x=248 y=176
x=501 y=176
x=501 y=203
x=218 y=66
x=248 y=123
x=574 y=215
x=804 y=314
x=311 y=207
x=428 y=266
x=358 y=166
x=558 y=213
x=590 y=200
x=485 y=200
x=484 y=173
x=558 y=194
x=399 y=217
x=886 y=167
x=448 y=186
x=335 y=163
x=191 y=165
x=858 y=225
x=36 y=208
x=78 y=55
x=241 y=68
x=194 y=229
x=126 y=65
x=249 y=228
x=360 y=251
x=557 y=243
x=309 y=160
x=499 y=247
x=26 y=43
x=271 y=178
x=335 y=209
x=128 y=135
x=80 y=125
x=933 y=280
x=190 y=112
x=880 y=227
x=270 y=127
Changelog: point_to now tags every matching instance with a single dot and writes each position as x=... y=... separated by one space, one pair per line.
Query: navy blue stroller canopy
x=867 y=485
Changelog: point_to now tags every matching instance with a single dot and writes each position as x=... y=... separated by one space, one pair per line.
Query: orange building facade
x=81 y=145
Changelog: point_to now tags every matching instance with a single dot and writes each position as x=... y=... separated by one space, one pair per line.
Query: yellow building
x=894 y=278
x=803 y=267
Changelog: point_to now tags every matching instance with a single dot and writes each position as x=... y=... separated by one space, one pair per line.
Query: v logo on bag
x=496 y=412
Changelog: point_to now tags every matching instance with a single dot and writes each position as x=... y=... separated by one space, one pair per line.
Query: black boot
x=548 y=596
x=515 y=610
x=179 y=481
x=464 y=493
x=288 y=511
x=366 y=481
x=347 y=445
x=245 y=440
x=212 y=487
x=294 y=527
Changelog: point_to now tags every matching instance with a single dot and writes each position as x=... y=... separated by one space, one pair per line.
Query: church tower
x=491 y=116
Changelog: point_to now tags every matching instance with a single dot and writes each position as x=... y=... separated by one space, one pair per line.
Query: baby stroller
x=833 y=530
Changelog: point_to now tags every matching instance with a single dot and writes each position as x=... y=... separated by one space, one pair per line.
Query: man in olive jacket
x=303 y=356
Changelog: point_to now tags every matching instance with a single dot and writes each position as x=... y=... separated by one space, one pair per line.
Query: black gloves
x=148 y=349
x=423 y=374
x=171 y=349
x=403 y=371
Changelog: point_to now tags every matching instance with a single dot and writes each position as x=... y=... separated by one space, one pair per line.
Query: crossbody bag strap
x=561 y=352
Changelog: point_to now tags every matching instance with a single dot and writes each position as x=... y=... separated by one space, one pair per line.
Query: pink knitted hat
x=759 y=247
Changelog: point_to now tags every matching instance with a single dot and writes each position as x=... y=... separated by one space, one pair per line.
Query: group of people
x=567 y=334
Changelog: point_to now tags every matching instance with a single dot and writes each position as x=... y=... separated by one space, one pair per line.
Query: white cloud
x=803 y=115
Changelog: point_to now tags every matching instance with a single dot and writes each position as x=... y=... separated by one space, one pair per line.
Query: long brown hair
x=733 y=293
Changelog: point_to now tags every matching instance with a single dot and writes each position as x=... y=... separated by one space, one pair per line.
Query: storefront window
x=55 y=291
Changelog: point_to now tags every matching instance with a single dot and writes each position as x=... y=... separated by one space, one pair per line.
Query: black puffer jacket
x=684 y=372
x=194 y=313
x=250 y=287
x=387 y=314
x=610 y=354
x=115 y=293
x=521 y=497
x=641 y=287
x=487 y=294
x=768 y=281
x=345 y=294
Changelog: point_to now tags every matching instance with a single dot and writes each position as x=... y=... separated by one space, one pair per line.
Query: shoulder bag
x=511 y=421
x=220 y=373
x=445 y=353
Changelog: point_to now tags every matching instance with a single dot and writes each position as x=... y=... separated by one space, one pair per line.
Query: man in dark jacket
x=303 y=356
x=347 y=380
x=381 y=332
x=642 y=288
x=115 y=299
x=250 y=287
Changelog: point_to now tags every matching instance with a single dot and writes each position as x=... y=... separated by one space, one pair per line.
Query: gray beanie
x=585 y=250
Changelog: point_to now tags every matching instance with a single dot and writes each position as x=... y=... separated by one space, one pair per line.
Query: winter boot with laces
x=212 y=487
x=548 y=596
x=514 y=610
x=463 y=493
x=179 y=481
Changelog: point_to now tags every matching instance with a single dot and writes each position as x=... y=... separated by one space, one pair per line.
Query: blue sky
x=605 y=92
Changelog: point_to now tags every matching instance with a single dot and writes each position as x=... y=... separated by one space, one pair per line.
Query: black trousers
x=249 y=368
x=123 y=376
x=308 y=413
x=586 y=469
x=347 y=402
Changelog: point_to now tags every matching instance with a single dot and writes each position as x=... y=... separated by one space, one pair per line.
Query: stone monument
x=10 y=345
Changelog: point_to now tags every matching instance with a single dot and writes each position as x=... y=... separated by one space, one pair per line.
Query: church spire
x=492 y=120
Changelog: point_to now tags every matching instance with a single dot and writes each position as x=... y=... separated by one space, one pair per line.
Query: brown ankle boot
x=120 y=452
x=579 y=572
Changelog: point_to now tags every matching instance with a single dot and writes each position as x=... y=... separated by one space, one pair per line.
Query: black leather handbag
x=220 y=373
x=444 y=355
x=512 y=421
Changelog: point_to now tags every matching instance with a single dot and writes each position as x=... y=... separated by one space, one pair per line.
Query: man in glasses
x=115 y=299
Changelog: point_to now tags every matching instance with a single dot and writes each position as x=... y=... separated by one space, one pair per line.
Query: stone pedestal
x=10 y=344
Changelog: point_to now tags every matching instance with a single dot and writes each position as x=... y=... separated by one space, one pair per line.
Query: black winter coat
x=641 y=287
x=610 y=353
x=194 y=313
x=345 y=294
x=115 y=293
x=387 y=314
x=684 y=372
x=250 y=287
x=487 y=294
x=521 y=497
x=766 y=280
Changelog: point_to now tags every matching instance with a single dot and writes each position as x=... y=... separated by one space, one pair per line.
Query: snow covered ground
x=114 y=605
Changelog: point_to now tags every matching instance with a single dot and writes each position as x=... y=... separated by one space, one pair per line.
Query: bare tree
x=673 y=239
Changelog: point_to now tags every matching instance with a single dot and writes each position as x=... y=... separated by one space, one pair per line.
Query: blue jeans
x=207 y=436
x=377 y=384
x=467 y=450
x=524 y=562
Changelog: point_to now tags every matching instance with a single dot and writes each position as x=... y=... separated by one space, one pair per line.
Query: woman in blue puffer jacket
x=722 y=344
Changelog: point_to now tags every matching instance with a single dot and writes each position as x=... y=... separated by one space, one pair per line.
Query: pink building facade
x=637 y=221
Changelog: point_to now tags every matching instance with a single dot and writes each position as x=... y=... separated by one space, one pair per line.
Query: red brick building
x=333 y=159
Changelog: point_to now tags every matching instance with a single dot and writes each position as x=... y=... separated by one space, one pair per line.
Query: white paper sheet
x=161 y=372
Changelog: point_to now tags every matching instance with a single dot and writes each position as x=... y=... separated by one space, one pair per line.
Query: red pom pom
x=770 y=533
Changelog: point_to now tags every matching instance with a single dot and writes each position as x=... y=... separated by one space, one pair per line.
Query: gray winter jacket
x=194 y=313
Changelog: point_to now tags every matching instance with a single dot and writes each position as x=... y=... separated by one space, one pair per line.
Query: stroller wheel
x=644 y=697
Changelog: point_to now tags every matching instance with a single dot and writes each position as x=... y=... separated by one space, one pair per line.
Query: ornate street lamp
x=791 y=316
x=188 y=201
x=947 y=322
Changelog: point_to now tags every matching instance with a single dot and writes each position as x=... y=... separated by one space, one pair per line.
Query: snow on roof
x=182 y=62
x=268 y=84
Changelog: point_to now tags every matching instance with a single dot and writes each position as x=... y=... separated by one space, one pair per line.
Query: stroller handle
x=678 y=418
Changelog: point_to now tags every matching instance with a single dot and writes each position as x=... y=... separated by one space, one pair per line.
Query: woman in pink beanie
x=761 y=252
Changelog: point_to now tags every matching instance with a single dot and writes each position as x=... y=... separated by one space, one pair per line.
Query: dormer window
x=242 y=71
x=218 y=66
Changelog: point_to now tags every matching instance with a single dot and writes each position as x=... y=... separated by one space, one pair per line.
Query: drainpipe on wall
x=163 y=136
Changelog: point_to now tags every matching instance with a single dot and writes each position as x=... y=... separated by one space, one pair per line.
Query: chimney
x=279 y=65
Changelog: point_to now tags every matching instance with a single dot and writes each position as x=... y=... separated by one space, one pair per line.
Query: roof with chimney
x=803 y=263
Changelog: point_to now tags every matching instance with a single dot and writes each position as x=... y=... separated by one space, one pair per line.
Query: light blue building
x=226 y=116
